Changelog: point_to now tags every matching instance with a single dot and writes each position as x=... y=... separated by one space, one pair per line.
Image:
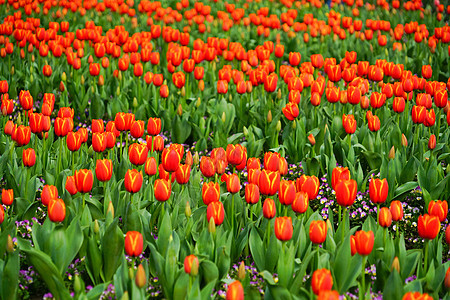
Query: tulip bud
x=125 y=296
x=269 y=116
x=101 y=80
x=212 y=226
x=311 y=139
x=447 y=279
x=404 y=141
x=96 y=227
x=392 y=153
x=214 y=66
x=395 y=264
x=135 y=102
x=241 y=271
x=12 y=70
x=294 y=124
x=118 y=91
x=187 y=210
x=183 y=91
x=9 y=245
x=77 y=285
x=119 y=76
x=82 y=79
x=194 y=269
x=245 y=131
x=224 y=117
x=230 y=98
x=196 y=158
x=33 y=58
x=141 y=279
x=180 y=110
x=198 y=103
x=61 y=87
x=110 y=209
x=279 y=94
x=278 y=128
x=31 y=78
x=64 y=76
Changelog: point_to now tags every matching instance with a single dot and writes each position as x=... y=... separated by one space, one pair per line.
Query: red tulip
x=28 y=157
x=56 y=210
x=321 y=281
x=364 y=242
x=251 y=193
x=133 y=181
x=318 y=232
x=300 y=203
x=385 y=217
x=346 y=192
x=310 y=185
x=137 y=129
x=432 y=142
x=138 y=154
x=83 y=180
x=134 y=243
x=210 y=192
x=170 y=159
x=183 y=173
x=103 y=169
x=233 y=183
x=396 y=210
x=154 y=126
x=272 y=161
x=216 y=211
x=269 y=182
x=286 y=193
x=207 y=166
x=283 y=228
x=189 y=261
x=235 y=291
x=150 y=166
x=7 y=196
x=438 y=208
x=349 y=123
x=236 y=154
x=291 y=111
x=339 y=174
x=48 y=192
x=378 y=190
x=71 y=186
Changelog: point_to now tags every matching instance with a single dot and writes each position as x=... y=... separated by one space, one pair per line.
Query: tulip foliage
x=195 y=149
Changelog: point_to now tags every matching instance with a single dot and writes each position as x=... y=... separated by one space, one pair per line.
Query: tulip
x=137 y=129
x=191 y=265
x=183 y=173
x=269 y=209
x=287 y=192
x=150 y=166
x=137 y=154
x=300 y=203
x=236 y=154
x=272 y=161
x=364 y=242
x=283 y=166
x=97 y=126
x=251 y=193
x=385 y=217
x=318 y=232
x=432 y=142
x=36 y=122
x=349 y=123
x=321 y=281
x=352 y=245
x=28 y=157
x=73 y=141
x=56 y=210
x=133 y=181
x=310 y=185
x=99 y=142
x=71 y=186
x=216 y=212
x=378 y=190
x=22 y=135
x=170 y=159
x=235 y=291
x=438 y=208
x=103 y=169
x=416 y=296
x=396 y=209
x=346 y=192
x=2 y=214
x=154 y=126
x=291 y=111
x=207 y=166
x=328 y=295
x=7 y=196
x=134 y=243
x=83 y=180
x=269 y=182
x=210 y=192
x=447 y=234
x=283 y=228
x=233 y=183
x=339 y=174
x=26 y=100
x=48 y=192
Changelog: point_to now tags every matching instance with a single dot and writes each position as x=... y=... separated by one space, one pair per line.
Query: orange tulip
x=56 y=210
x=48 y=192
x=283 y=228
x=364 y=242
x=84 y=180
x=134 y=243
x=346 y=192
x=103 y=169
x=287 y=192
x=438 y=208
x=7 y=196
x=235 y=291
x=137 y=154
x=28 y=157
x=154 y=126
x=71 y=186
x=233 y=183
x=318 y=232
x=216 y=211
x=378 y=190
x=396 y=209
x=339 y=174
x=189 y=261
x=207 y=166
x=170 y=159
x=385 y=217
x=269 y=182
x=133 y=181
x=183 y=173
x=308 y=184
x=321 y=281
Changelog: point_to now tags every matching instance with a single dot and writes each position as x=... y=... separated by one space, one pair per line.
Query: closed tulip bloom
x=378 y=190
x=22 y=135
x=318 y=232
x=134 y=243
x=441 y=98
x=183 y=173
x=447 y=235
x=399 y=104
x=283 y=228
x=154 y=126
x=73 y=141
x=253 y=176
x=84 y=180
x=137 y=129
x=49 y=192
x=28 y=157
x=374 y=123
x=287 y=191
x=7 y=106
x=346 y=192
x=272 y=161
x=2 y=214
x=396 y=209
x=189 y=261
x=300 y=203
x=10 y=128
x=98 y=126
x=432 y=142
x=309 y=184
x=385 y=217
x=339 y=174
x=251 y=193
x=207 y=167
x=427 y=71
x=170 y=159
x=137 y=154
x=84 y=134
x=438 y=208
x=26 y=100
x=418 y=114
x=151 y=166
x=110 y=140
x=103 y=169
x=235 y=291
x=216 y=211
x=133 y=181
x=71 y=186
x=99 y=142
x=416 y=296
x=269 y=182
x=352 y=245
x=269 y=209
x=56 y=210
x=283 y=166
x=233 y=183
x=36 y=122
x=7 y=196
x=349 y=123
x=235 y=154
x=321 y=281
x=364 y=242
x=291 y=111
x=210 y=192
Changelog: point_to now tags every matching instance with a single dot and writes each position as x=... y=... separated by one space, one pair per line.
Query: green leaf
x=256 y=249
x=394 y=286
x=404 y=189
x=10 y=276
x=112 y=248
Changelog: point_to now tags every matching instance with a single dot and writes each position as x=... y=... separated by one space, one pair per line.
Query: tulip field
x=181 y=149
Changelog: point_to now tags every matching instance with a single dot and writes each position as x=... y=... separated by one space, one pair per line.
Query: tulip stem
x=232 y=214
x=268 y=232
x=59 y=155
x=83 y=200
x=73 y=161
x=121 y=146
x=27 y=178
x=340 y=215
x=378 y=214
x=317 y=255
x=343 y=224
x=363 y=278
x=425 y=263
